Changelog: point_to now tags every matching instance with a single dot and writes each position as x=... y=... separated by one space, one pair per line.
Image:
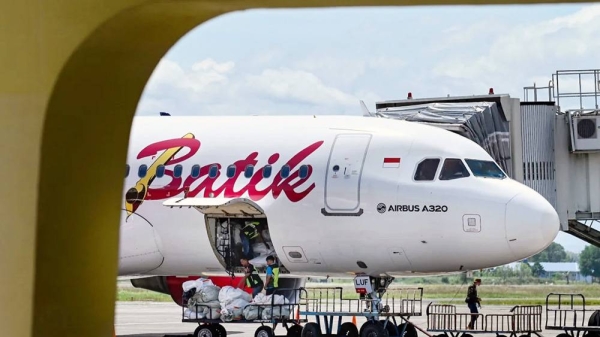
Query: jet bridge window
x=453 y=169
x=426 y=169
x=485 y=168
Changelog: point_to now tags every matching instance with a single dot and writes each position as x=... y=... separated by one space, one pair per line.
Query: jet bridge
x=550 y=141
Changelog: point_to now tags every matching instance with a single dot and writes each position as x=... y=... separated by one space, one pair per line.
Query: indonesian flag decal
x=391 y=162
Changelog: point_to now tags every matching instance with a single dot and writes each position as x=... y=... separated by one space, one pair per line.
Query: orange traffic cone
x=298 y=314
x=354 y=320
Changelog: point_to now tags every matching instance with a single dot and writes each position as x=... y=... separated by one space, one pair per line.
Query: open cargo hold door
x=219 y=214
x=219 y=207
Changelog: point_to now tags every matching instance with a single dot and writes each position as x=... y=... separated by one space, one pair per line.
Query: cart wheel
x=410 y=331
x=594 y=319
x=220 y=330
x=264 y=331
x=591 y=334
x=311 y=330
x=206 y=331
x=467 y=335
x=563 y=335
x=373 y=330
x=294 y=331
x=348 y=330
x=390 y=328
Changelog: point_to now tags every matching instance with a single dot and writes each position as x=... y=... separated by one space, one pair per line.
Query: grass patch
x=443 y=294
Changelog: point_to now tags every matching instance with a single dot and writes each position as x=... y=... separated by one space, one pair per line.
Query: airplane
x=336 y=196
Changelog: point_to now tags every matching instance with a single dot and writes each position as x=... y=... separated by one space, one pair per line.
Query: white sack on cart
x=210 y=293
x=265 y=235
x=252 y=312
x=264 y=299
x=188 y=285
x=211 y=310
x=276 y=312
x=229 y=294
x=193 y=315
x=198 y=284
x=234 y=310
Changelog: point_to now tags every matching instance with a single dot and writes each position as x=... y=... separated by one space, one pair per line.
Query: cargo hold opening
x=225 y=220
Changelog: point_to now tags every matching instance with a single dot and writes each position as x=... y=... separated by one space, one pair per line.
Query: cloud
x=525 y=53
x=210 y=87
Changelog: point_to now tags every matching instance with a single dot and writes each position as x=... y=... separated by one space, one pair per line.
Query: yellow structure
x=71 y=74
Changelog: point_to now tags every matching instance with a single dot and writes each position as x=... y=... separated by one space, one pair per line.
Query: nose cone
x=531 y=224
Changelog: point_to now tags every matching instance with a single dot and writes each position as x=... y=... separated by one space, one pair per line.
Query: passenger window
x=303 y=172
x=267 y=171
x=230 y=171
x=160 y=171
x=177 y=171
x=142 y=170
x=285 y=171
x=453 y=169
x=213 y=171
x=426 y=169
x=249 y=171
x=126 y=171
x=195 y=171
x=485 y=168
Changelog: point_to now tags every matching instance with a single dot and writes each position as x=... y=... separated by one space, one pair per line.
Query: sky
x=323 y=61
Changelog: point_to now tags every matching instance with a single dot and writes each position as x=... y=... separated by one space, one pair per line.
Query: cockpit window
x=485 y=168
x=453 y=169
x=426 y=169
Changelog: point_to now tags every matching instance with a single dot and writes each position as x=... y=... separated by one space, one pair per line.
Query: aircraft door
x=344 y=173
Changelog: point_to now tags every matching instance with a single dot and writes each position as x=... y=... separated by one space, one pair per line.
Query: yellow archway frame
x=71 y=74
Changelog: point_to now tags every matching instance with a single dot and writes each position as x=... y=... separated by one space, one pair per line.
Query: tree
x=537 y=270
x=589 y=261
x=553 y=253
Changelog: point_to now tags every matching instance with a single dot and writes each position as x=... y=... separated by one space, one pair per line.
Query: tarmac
x=150 y=319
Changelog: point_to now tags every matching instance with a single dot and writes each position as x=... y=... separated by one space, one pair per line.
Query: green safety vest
x=250 y=230
x=274 y=282
x=254 y=279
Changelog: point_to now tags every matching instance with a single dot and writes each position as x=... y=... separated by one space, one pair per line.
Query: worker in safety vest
x=249 y=234
x=251 y=278
x=272 y=281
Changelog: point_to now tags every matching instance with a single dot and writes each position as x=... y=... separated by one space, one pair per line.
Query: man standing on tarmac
x=251 y=278
x=272 y=281
x=473 y=302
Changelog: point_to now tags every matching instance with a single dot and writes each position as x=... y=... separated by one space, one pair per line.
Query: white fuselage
x=348 y=203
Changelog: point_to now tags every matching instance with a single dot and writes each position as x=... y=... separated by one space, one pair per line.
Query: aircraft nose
x=531 y=224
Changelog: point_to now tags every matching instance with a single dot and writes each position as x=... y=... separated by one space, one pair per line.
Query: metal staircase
x=582 y=229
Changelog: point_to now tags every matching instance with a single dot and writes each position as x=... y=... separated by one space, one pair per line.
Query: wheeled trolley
x=568 y=313
x=209 y=316
x=384 y=314
x=520 y=321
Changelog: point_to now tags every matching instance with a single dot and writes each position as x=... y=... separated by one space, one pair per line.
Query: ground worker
x=249 y=234
x=473 y=301
x=272 y=281
x=251 y=278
